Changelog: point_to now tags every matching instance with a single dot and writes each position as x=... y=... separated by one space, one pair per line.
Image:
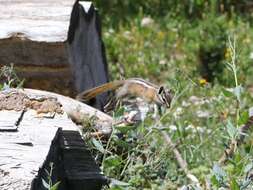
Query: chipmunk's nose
x=168 y=104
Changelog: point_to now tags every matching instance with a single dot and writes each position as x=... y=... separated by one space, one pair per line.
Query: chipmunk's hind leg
x=122 y=92
x=110 y=105
x=114 y=100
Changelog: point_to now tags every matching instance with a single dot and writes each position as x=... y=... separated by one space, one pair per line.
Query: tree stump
x=33 y=37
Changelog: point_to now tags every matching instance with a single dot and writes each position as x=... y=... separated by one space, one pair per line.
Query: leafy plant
x=9 y=78
x=48 y=184
x=204 y=118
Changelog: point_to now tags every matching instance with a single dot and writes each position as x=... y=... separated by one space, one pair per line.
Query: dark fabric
x=87 y=52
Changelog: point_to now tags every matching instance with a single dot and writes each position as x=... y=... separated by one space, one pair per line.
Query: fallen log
x=76 y=110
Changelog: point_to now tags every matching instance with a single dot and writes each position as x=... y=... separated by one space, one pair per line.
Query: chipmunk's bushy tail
x=93 y=92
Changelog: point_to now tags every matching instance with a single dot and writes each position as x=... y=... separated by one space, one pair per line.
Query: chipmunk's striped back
x=131 y=87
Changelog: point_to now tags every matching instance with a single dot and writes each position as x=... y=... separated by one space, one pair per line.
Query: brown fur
x=93 y=92
x=133 y=87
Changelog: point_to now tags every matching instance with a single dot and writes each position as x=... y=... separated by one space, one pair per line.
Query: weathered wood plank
x=38 y=20
x=44 y=102
x=9 y=120
x=24 y=151
x=32 y=37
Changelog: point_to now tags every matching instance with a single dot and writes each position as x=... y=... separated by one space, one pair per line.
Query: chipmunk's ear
x=160 y=90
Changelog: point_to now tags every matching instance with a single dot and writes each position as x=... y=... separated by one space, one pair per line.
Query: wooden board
x=24 y=151
x=34 y=117
x=38 y=20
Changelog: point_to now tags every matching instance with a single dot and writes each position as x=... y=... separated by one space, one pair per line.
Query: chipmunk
x=131 y=87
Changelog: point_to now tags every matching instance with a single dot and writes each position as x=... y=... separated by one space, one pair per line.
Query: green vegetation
x=9 y=78
x=203 y=51
x=47 y=183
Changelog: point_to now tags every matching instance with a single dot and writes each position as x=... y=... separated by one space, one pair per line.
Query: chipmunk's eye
x=161 y=89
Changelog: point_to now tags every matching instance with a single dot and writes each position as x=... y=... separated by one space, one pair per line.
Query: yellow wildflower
x=202 y=81
x=228 y=53
x=246 y=40
x=160 y=35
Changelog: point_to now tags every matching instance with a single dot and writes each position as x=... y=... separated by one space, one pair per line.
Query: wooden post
x=33 y=38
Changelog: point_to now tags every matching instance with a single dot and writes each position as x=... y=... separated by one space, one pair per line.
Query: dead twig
x=181 y=162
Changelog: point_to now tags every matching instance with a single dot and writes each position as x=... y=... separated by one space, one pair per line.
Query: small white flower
x=111 y=30
x=209 y=131
x=195 y=100
x=146 y=21
x=127 y=34
x=173 y=127
x=203 y=114
x=178 y=112
x=185 y=104
x=251 y=55
x=189 y=127
x=251 y=111
x=200 y=129
x=199 y=101
x=162 y=62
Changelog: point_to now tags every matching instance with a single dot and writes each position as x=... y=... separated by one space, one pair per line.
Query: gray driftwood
x=43 y=21
x=78 y=111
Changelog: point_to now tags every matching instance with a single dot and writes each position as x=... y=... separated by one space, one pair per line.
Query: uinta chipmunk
x=131 y=87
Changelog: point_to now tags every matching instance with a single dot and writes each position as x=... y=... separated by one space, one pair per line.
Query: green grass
x=204 y=117
x=167 y=52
